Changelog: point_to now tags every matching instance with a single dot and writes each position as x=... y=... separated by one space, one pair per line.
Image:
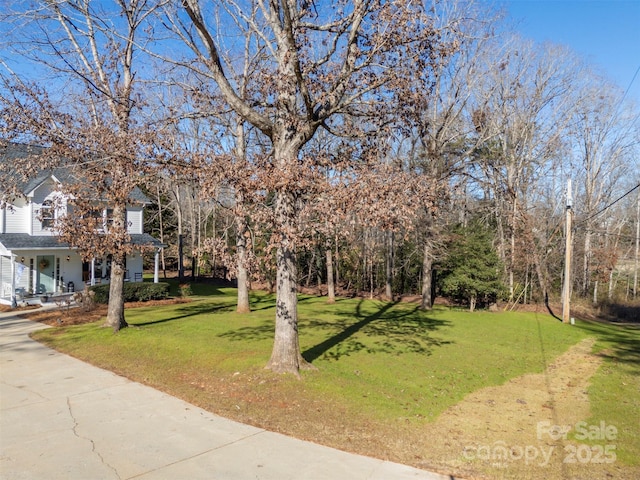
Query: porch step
x=30 y=301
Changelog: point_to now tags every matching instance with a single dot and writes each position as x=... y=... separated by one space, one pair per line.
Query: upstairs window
x=95 y=219
x=108 y=219
x=47 y=214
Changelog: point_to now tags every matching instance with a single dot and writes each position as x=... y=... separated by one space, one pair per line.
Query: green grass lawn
x=376 y=361
x=614 y=392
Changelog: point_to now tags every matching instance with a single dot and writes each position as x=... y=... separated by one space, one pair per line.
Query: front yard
x=471 y=394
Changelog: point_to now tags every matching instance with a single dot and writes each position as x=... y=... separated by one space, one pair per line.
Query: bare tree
x=316 y=67
x=442 y=119
x=604 y=136
x=528 y=110
x=86 y=115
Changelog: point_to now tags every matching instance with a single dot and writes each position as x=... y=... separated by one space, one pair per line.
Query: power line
x=607 y=206
x=630 y=84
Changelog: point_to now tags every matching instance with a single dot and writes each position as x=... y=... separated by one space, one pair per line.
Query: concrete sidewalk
x=61 y=418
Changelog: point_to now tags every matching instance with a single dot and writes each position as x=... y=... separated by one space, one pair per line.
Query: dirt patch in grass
x=508 y=431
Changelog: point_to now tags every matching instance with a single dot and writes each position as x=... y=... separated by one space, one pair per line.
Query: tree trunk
x=197 y=257
x=286 y=356
x=337 y=264
x=512 y=250
x=526 y=284
x=331 y=289
x=310 y=269
x=541 y=273
x=370 y=273
x=389 y=267
x=611 y=286
x=586 y=262
x=177 y=196
x=164 y=268
x=427 y=277
x=472 y=303
x=115 y=310
x=194 y=226
x=501 y=242
x=180 y=259
x=243 y=274
x=242 y=230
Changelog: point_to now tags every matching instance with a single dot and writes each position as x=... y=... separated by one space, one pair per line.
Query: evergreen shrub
x=133 y=292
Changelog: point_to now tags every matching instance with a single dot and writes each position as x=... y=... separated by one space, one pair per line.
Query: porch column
x=93 y=271
x=14 y=302
x=156 y=266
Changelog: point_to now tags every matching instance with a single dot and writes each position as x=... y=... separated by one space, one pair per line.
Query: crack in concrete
x=25 y=388
x=93 y=444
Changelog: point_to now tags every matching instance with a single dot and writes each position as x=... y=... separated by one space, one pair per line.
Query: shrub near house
x=134 y=292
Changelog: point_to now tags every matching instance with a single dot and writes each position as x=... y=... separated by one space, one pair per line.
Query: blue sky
x=605 y=32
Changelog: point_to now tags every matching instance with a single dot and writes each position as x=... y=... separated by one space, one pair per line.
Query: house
x=33 y=262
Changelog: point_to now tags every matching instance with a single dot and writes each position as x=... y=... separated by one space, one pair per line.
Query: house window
x=47 y=214
x=94 y=218
x=108 y=221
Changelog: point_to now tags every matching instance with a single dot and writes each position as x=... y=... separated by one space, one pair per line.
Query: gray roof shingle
x=12 y=153
x=24 y=241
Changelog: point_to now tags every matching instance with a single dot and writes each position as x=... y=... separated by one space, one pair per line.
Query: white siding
x=71 y=271
x=134 y=265
x=5 y=277
x=17 y=218
x=134 y=220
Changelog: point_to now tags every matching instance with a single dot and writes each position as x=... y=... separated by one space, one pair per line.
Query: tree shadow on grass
x=189 y=310
x=257 y=332
x=269 y=301
x=388 y=330
x=624 y=342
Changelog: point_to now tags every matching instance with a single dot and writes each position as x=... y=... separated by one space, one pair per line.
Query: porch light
x=22 y=260
x=68 y=258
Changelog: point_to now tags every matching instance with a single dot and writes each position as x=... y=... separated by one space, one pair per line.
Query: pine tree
x=470 y=273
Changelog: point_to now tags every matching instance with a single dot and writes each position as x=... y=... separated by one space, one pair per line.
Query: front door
x=45 y=273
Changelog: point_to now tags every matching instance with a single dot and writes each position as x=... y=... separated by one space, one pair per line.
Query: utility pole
x=635 y=263
x=566 y=289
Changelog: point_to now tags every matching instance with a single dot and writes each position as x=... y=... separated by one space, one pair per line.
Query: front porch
x=39 y=277
x=24 y=299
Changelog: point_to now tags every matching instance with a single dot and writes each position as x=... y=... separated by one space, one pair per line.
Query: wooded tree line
x=383 y=148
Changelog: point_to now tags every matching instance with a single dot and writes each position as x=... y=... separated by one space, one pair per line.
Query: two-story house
x=33 y=262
